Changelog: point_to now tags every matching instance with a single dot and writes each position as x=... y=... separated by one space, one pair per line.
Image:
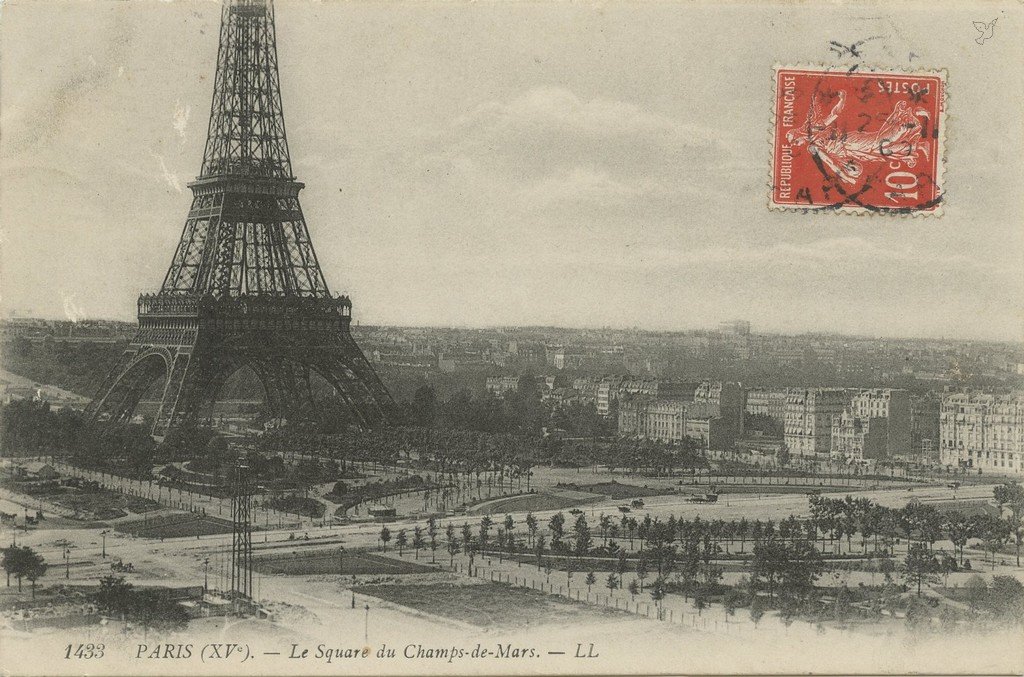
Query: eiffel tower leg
x=272 y=391
x=194 y=380
x=354 y=359
x=356 y=393
x=120 y=394
x=289 y=383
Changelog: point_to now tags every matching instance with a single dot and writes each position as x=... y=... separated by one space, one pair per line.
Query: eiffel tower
x=244 y=288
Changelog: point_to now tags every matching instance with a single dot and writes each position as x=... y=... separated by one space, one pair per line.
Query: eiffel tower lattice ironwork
x=244 y=288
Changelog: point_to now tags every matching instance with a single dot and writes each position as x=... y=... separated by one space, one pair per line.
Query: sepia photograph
x=511 y=338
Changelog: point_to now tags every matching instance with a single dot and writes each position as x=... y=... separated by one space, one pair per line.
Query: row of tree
x=23 y=562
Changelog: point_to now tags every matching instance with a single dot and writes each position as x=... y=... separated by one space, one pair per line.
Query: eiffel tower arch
x=244 y=288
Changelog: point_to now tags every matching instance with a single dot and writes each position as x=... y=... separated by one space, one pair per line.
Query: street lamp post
x=353 y=591
x=67 y=562
x=341 y=560
x=103 y=534
x=206 y=574
x=366 y=628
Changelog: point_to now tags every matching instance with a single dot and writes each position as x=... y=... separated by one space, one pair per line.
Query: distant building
x=525 y=354
x=768 y=402
x=924 y=426
x=607 y=392
x=856 y=439
x=499 y=385
x=567 y=357
x=673 y=421
x=808 y=419
x=739 y=327
x=724 y=400
x=37 y=470
x=561 y=396
x=885 y=419
x=983 y=431
x=587 y=389
x=711 y=412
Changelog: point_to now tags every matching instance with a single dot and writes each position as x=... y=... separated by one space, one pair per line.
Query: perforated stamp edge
x=860 y=210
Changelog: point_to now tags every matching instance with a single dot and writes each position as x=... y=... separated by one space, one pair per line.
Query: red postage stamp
x=858 y=141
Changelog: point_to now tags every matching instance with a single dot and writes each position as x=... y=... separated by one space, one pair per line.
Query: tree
x=920 y=566
x=612 y=582
x=756 y=609
x=621 y=564
x=959 y=529
x=590 y=580
x=733 y=599
x=605 y=524
x=1011 y=496
x=385 y=537
x=423 y=408
x=770 y=558
x=557 y=527
x=417 y=540
x=510 y=527
x=401 y=540
x=432 y=533
x=23 y=562
x=887 y=567
x=633 y=589
x=641 y=570
x=531 y=526
x=114 y=595
x=154 y=609
x=485 y=530
x=35 y=568
x=581 y=536
x=994 y=532
x=453 y=549
x=793 y=566
x=658 y=593
x=1007 y=597
x=11 y=562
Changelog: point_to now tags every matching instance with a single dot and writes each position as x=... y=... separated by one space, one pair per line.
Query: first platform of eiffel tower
x=244 y=288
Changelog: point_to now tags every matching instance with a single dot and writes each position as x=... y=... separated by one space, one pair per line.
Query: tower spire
x=246 y=136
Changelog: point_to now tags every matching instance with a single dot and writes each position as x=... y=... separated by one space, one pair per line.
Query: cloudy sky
x=596 y=164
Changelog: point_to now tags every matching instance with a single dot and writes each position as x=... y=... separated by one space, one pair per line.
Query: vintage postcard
x=511 y=338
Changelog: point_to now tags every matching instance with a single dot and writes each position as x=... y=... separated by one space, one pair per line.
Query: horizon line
x=692 y=330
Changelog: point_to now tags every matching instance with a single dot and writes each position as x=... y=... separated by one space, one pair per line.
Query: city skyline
x=566 y=185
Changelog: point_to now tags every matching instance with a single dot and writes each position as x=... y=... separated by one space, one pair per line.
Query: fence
x=695 y=621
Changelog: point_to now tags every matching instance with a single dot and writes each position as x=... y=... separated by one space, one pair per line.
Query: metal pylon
x=241 y=534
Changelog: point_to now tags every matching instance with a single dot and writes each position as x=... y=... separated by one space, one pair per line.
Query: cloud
x=170 y=177
x=181 y=116
x=553 y=150
x=550 y=127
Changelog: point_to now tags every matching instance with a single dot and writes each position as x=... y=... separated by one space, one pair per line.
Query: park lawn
x=329 y=562
x=490 y=604
x=617 y=490
x=531 y=502
x=175 y=526
x=103 y=504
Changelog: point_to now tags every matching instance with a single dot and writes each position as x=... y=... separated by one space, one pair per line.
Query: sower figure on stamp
x=845 y=152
